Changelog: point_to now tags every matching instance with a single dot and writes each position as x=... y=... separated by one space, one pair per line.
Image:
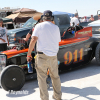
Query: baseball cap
x=47 y=13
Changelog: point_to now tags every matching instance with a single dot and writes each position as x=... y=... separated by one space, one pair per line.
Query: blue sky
x=84 y=7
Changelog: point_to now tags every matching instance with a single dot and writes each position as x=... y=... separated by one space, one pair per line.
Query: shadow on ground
x=86 y=71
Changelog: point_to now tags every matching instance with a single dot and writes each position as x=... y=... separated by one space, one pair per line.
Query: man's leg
x=55 y=78
x=41 y=70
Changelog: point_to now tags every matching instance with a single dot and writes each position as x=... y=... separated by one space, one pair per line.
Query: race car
x=76 y=48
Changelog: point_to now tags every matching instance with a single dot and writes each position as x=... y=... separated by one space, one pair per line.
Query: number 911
x=74 y=57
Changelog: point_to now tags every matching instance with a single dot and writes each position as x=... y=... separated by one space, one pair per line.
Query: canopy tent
x=22 y=15
x=24 y=10
x=60 y=12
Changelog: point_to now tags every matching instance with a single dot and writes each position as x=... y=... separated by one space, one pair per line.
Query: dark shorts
x=3 y=47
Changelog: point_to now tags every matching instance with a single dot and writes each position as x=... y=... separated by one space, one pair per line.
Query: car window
x=30 y=23
x=63 y=20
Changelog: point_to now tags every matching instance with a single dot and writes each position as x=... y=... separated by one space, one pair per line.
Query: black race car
x=76 y=48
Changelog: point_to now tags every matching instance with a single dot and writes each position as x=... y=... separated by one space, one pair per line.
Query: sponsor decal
x=18 y=92
x=85 y=32
x=25 y=65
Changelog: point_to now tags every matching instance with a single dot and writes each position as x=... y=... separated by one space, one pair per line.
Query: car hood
x=17 y=30
x=94 y=23
x=96 y=35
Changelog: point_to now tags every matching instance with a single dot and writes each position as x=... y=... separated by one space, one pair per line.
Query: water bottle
x=30 y=69
x=58 y=62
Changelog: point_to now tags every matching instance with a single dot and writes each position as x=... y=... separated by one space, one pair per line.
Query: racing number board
x=73 y=57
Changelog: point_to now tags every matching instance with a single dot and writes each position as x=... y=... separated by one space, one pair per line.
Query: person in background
x=85 y=19
x=47 y=36
x=3 y=37
x=74 y=21
x=92 y=18
x=81 y=19
x=98 y=16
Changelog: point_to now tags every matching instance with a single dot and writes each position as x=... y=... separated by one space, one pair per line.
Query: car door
x=74 y=54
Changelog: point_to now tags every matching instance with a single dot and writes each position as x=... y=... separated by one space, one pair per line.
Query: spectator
x=81 y=19
x=85 y=19
x=48 y=37
x=92 y=18
x=98 y=16
x=3 y=37
x=74 y=21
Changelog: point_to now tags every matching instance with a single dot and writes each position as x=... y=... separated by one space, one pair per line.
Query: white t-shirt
x=48 y=38
x=3 y=34
x=75 y=20
x=85 y=20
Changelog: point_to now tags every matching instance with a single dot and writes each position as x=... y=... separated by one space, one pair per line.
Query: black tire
x=97 y=54
x=12 y=78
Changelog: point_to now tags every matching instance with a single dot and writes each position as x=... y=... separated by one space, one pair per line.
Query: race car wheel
x=12 y=78
x=97 y=54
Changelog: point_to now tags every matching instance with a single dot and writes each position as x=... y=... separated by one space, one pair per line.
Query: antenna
x=76 y=11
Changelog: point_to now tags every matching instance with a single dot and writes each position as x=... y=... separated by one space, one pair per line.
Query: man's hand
x=29 y=58
x=24 y=39
x=8 y=43
x=27 y=37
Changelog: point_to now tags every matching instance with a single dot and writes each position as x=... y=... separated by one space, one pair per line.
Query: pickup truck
x=61 y=20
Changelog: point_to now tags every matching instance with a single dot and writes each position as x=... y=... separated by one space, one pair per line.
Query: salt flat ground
x=79 y=84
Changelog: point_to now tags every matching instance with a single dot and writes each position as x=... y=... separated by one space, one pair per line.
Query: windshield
x=30 y=23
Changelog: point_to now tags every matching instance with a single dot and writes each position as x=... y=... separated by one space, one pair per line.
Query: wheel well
x=94 y=47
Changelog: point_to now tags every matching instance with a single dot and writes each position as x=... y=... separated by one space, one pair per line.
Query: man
x=47 y=36
x=3 y=37
x=92 y=18
x=74 y=21
x=85 y=19
x=98 y=16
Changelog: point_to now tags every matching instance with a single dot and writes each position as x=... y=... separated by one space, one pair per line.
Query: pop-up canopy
x=22 y=15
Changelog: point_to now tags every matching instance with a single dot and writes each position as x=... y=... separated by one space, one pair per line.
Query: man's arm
x=31 y=46
x=27 y=37
x=7 y=40
x=2 y=40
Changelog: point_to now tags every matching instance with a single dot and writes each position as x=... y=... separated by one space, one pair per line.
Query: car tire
x=12 y=78
x=97 y=54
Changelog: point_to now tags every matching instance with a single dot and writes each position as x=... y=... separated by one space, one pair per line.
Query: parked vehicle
x=15 y=34
x=62 y=20
x=95 y=26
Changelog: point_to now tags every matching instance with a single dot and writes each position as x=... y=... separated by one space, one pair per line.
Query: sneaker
x=55 y=98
